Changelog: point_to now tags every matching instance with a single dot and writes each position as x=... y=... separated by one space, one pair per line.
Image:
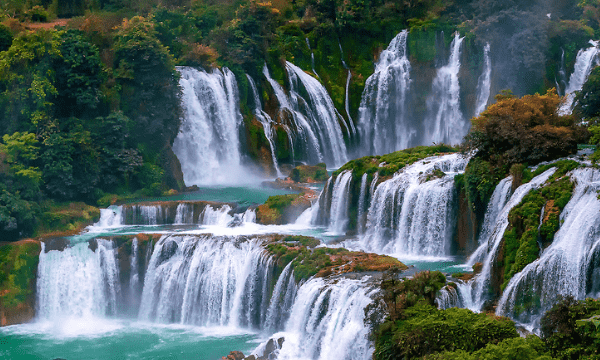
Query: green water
x=242 y=195
x=121 y=341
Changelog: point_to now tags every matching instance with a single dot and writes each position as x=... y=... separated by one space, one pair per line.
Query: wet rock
x=234 y=355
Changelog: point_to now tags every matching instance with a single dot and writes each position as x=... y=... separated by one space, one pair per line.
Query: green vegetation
x=18 y=269
x=387 y=165
x=529 y=348
x=570 y=331
x=529 y=227
x=308 y=260
x=415 y=328
x=308 y=173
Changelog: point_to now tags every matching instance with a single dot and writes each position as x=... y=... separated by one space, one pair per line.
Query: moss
x=308 y=173
x=308 y=261
x=479 y=181
x=18 y=269
x=279 y=209
x=66 y=218
x=525 y=233
x=387 y=165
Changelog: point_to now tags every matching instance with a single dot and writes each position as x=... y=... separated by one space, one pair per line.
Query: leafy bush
x=526 y=130
x=565 y=336
x=427 y=330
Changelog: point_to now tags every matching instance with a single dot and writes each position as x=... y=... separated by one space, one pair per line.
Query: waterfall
x=208 y=144
x=134 y=277
x=78 y=282
x=561 y=82
x=110 y=217
x=184 y=214
x=497 y=202
x=445 y=121
x=266 y=122
x=307 y=141
x=569 y=265
x=412 y=213
x=216 y=216
x=347 y=99
x=585 y=61
x=383 y=122
x=312 y=58
x=340 y=202
x=481 y=282
x=484 y=82
x=320 y=113
x=207 y=281
x=282 y=299
x=327 y=321
x=362 y=203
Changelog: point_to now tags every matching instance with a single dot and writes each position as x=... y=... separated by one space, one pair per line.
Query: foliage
x=147 y=74
x=479 y=181
x=526 y=130
x=6 y=37
x=565 y=336
x=529 y=348
x=426 y=330
x=18 y=268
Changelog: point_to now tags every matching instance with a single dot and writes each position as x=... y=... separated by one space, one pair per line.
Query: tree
x=524 y=130
x=151 y=92
x=78 y=75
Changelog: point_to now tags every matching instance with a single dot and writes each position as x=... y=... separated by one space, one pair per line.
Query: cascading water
x=207 y=281
x=266 y=122
x=306 y=140
x=497 y=202
x=383 y=121
x=78 y=282
x=347 y=99
x=445 y=121
x=585 y=61
x=362 y=204
x=327 y=321
x=338 y=213
x=484 y=82
x=320 y=114
x=411 y=214
x=208 y=145
x=569 y=265
x=480 y=285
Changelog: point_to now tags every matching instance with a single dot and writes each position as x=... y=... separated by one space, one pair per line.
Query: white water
x=484 y=82
x=327 y=321
x=266 y=122
x=362 y=204
x=338 y=219
x=320 y=114
x=500 y=196
x=480 y=284
x=206 y=281
x=110 y=217
x=445 y=121
x=382 y=120
x=77 y=282
x=208 y=145
x=585 y=61
x=411 y=216
x=568 y=266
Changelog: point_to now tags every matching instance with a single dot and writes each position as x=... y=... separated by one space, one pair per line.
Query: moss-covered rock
x=529 y=227
x=308 y=260
x=282 y=209
x=309 y=173
x=63 y=219
x=18 y=269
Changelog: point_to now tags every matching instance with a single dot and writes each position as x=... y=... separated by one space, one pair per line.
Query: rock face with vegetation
x=284 y=209
x=308 y=260
x=18 y=272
